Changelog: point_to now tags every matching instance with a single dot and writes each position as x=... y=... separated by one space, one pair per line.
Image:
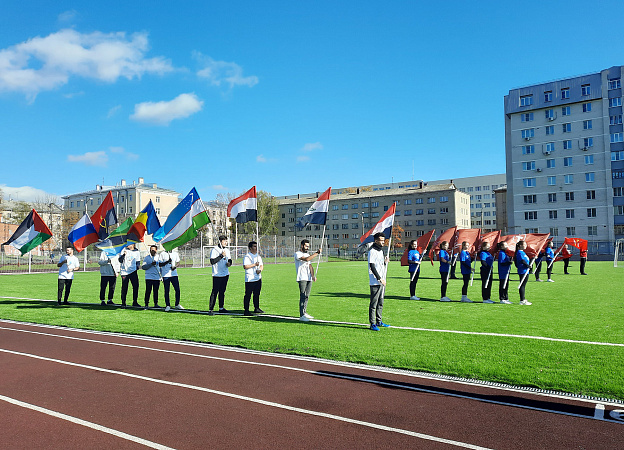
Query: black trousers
x=172 y=281
x=486 y=292
x=134 y=279
x=538 y=269
x=522 y=286
x=109 y=281
x=466 y=277
x=62 y=283
x=566 y=263
x=219 y=285
x=444 y=278
x=151 y=286
x=503 y=287
x=252 y=288
x=583 y=261
x=413 y=282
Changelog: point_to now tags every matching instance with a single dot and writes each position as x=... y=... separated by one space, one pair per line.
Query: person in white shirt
x=220 y=260
x=67 y=265
x=377 y=269
x=130 y=261
x=252 y=263
x=152 y=275
x=109 y=269
x=305 y=277
x=168 y=262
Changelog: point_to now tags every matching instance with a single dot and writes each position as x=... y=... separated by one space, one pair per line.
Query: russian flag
x=383 y=226
x=317 y=213
x=244 y=208
x=83 y=234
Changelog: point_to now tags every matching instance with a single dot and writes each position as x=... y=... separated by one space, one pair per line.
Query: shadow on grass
x=339 y=295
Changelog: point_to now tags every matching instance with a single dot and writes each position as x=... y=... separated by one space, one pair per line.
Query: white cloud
x=46 y=63
x=303 y=158
x=312 y=146
x=162 y=113
x=73 y=94
x=122 y=151
x=223 y=72
x=68 y=16
x=25 y=193
x=99 y=159
x=219 y=187
x=113 y=111
x=261 y=159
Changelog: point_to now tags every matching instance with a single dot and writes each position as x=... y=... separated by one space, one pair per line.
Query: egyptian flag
x=104 y=217
x=446 y=236
x=470 y=235
x=244 y=208
x=83 y=234
x=384 y=226
x=146 y=221
x=317 y=213
x=579 y=243
x=118 y=239
x=421 y=245
x=31 y=233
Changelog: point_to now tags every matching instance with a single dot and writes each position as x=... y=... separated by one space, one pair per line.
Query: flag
x=104 y=217
x=146 y=221
x=421 y=245
x=492 y=238
x=562 y=253
x=244 y=208
x=383 y=226
x=470 y=235
x=579 y=243
x=83 y=234
x=117 y=240
x=183 y=222
x=534 y=243
x=31 y=233
x=317 y=213
x=446 y=236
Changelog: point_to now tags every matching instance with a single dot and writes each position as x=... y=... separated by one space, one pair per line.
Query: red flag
x=534 y=243
x=421 y=245
x=492 y=238
x=470 y=235
x=104 y=217
x=579 y=243
x=446 y=236
x=563 y=252
x=546 y=244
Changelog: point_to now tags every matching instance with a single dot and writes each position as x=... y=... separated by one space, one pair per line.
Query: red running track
x=100 y=390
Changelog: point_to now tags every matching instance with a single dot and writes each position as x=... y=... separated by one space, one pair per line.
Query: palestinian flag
x=31 y=233
x=117 y=240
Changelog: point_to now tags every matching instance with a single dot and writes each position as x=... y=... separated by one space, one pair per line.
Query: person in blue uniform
x=522 y=264
x=465 y=260
x=487 y=262
x=445 y=259
x=550 y=257
x=504 y=267
x=413 y=258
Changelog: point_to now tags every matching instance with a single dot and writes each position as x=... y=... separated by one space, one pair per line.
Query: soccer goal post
x=618 y=255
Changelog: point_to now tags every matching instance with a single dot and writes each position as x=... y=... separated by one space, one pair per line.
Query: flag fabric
x=470 y=235
x=383 y=226
x=117 y=240
x=421 y=245
x=32 y=232
x=244 y=208
x=579 y=243
x=317 y=213
x=104 y=217
x=83 y=234
x=183 y=222
x=562 y=253
x=492 y=238
x=146 y=222
x=446 y=236
x=534 y=243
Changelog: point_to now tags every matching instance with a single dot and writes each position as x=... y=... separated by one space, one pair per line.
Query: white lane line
x=379 y=369
x=316 y=372
x=95 y=426
x=252 y=400
x=430 y=330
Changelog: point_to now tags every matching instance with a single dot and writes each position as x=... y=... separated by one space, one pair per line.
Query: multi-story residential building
x=352 y=213
x=500 y=195
x=564 y=145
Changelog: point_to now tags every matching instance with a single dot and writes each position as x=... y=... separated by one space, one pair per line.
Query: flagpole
x=448 y=274
x=555 y=257
x=526 y=274
x=507 y=278
x=474 y=266
x=414 y=273
x=489 y=275
x=318 y=261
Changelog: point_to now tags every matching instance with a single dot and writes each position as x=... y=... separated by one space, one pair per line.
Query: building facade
x=564 y=146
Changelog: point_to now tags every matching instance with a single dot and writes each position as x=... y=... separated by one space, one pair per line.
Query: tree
x=20 y=211
x=397 y=232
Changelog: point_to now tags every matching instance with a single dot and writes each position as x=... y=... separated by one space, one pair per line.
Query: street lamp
x=362 y=217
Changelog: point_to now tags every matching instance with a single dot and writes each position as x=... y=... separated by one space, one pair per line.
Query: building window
x=548 y=96
x=618 y=210
x=617 y=137
x=591 y=212
x=614 y=83
x=587 y=125
x=567 y=127
x=528 y=182
x=569 y=214
x=552 y=181
x=565 y=110
x=431 y=200
x=375 y=214
x=157 y=210
x=527 y=133
x=592 y=231
x=291 y=210
x=586 y=107
x=345 y=216
x=407 y=212
x=530 y=215
x=550 y=163
x=431 y=211
x=354 y=206
x=529 y=165
x=567 y=145
x=565 y=93
x=554 y=231
x=549 y=114
x=616 y=101
x=129 y=199
x=345 y=206
x=300 y=209
x=357 y=216
x=589 y=159
x=335 y=207
x=443 y=210
x=590 y=177
x=552 y=198
x=408 y=201
x=345 y=226
x=567 y=161
x=588 y=142
x=528 y=117
x=408 y=234
x=585 y=89
x=291 y=219
x=618 y=192
x=375 y=204
x=617 y=156
x=385 y=208
x=530 y=199
x=418 y=201
x=354 y=226
x=122 y=211
x=570 y=231
x=568 y=179
x=615 y=120
x=550 y=147
x=552 y=214
x=420 y=212
x=569 y=196
x=365 y=205
x=530 y=230
x=443 y=199
x=431 y=222
x=550 y=130
x=526 y=100
x=122 y=199
x=528 y=149
x=130 y=210
x=477 y=188
x=420 y=223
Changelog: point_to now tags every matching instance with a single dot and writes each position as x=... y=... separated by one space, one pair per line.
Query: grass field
x=580 y=308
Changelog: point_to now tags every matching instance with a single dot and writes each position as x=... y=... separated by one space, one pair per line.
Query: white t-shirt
x=302 y=267
x=220 y=269
x=131 y=260
x=166 y=269
x=250 y=274
x=71 y=262
x=109 y=267
x=377 y=258
x=152 y=272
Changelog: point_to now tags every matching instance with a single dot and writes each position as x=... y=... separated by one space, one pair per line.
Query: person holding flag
x=68 y=264
x=168 y=262
x=465 y=260
x=220 y=260
x=377 y=270
x=504 y=267
x=445 y=260
x=522 y=263
x=413 y=258
x=130 y=261
x=109 y=269
x=487 y=261
x=152 y=275
x=583 y=256
x=252 y=263
x=305 y=277
x=550 y=259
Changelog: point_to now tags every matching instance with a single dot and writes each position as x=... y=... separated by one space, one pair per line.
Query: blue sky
x=289 y=96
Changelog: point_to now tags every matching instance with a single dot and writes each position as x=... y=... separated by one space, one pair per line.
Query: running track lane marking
x=327 y=374
x=84 y=423
x=253 y=400
x=432 y=330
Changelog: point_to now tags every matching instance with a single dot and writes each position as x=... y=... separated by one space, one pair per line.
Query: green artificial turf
x=575 y=307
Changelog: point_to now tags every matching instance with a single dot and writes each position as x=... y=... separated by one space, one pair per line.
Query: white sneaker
x=539 y=280
x=414 y=298
x=526 y=303
x=506 y=302
x=308 y=316
x=488 y=301
x=465 y=299
x=551 y=281
x=445 y=299
x=167 y=308
x=304 y=319
x=178 y=307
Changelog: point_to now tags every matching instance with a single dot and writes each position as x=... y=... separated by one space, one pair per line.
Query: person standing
x=566 y=261
x=130 y=261
x=67 y=265
x=444 y=270
x=538 y=266
x=466 y=270
x=152 y=275
x=550 y=260
x=168 y=262
x=413 y=258
x=305 y=277
x=522 y=263
x=504 y=267
x=583 y=255
x=487 y=262
x=252 y=263
x=377 y=269
x=221 y=260
x=109 y=270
